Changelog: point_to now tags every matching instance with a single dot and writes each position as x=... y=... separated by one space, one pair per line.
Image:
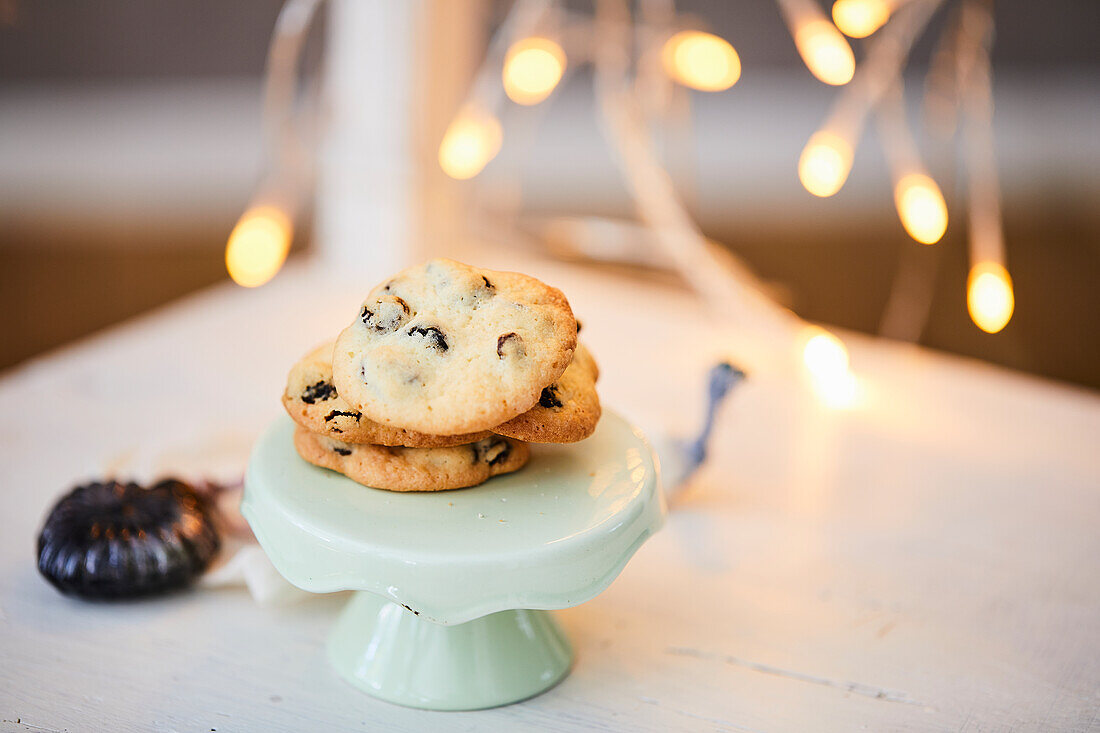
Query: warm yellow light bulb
x=825 y=52
x=989 y=296
x=532 y=68
x=701 y=61
x=824 y=354
x=824 y=164
x=921 y=207
x=826 y=359
x=258 y=246
x=471 y=141
x=860 y=18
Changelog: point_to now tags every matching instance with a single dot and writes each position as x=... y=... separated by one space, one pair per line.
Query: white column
x=395 y=71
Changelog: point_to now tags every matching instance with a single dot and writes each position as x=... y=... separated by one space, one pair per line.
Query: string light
x=824 y=164
x=989 y=296
x=826 y=359
x=258 y=245
x=917 y=198
x=532 y=69
x=860 y=18
x=825 y=51
x=701 y=61
x=471 y=141
x=824 y=354
x=260 y=241
x=921 y=207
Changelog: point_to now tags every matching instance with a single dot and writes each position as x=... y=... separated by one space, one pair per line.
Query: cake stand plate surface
x=453 y=581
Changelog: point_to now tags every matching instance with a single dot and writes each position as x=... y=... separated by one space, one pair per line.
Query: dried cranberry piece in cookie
x=432 y=335
x=510 y=344
x=387 y=313
x=550 y=397
x=322 y=391
x=343 y=413
x=492 y=451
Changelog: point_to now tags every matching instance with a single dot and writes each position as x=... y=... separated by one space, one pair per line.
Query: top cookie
x=446 y=348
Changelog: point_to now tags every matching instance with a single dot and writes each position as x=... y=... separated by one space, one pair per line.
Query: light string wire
x=260 y=242
x=725 y=283
x=975 y=84
x=879 y=71
x=990 y=296
x=634 y=110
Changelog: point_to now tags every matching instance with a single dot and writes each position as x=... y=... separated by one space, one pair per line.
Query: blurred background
x=130 y=144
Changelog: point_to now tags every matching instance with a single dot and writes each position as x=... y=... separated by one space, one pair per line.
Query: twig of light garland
x=906 y=310
x=475 y=135
x=822 y=47
x=665 y=104
x=917 y=197
x=259 y=244
x=726 y=284
x=522 y=21
x=279 y=120
x=826 y=160
x=260 y=241
x=990 y=297
x=940 y=105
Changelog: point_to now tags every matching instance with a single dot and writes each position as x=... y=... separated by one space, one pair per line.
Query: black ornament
x=114 y=540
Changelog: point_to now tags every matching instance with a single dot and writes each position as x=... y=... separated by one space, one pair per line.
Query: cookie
x=446 y=348
x=311 y=401
x=414 y=469
x=567 y=410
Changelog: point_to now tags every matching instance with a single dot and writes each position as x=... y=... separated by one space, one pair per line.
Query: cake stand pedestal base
x=444 y=579
x=391 y=653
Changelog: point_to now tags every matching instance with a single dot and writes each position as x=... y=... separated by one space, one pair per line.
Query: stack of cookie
x=444 y=376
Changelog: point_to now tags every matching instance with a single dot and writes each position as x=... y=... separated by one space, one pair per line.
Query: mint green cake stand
x=454 y=585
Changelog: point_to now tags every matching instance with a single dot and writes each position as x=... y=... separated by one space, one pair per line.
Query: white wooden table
x=926 y=560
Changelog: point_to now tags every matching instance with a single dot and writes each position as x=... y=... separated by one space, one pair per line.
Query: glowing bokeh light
x=826 y=359
x=824 y=164
x=471 y=141
x=258 y=246
x=701 y=61
x=825 y=51
x=860 y=18
x=824 y=354
x=532 y=69
x=989 y=296
x=839 y=391
x=921 y=208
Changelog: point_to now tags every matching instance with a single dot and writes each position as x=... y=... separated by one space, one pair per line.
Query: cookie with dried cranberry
x=312 y=401
x=567 y=410
x=414 y=469
x=446 y=348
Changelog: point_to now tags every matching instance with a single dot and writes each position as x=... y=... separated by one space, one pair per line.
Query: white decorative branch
x=976 y=89
x=724 y=282
x=880 y=70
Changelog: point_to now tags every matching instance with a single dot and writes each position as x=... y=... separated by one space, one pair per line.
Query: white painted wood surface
x=927 y=560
